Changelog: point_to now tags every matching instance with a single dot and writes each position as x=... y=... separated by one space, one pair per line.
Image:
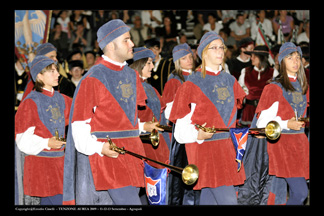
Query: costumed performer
x=40 y=155
x=253 y=79
x=143 y=64
x=210 y=97
x=105 y=103
x=283 y=100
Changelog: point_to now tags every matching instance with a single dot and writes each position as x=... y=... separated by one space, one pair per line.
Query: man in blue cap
x=105 y=103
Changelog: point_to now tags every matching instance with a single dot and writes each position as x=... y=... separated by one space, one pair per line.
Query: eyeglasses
x=216 y=48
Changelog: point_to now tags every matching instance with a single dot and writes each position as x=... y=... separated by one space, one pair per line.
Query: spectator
x=76 y=71
x=228 y=40
x=304 y=37
x=212 y=25
x=59 y=39
x=151 y=19
x=64 y=20
x=266 y=27
x=139 y=33
x=168 y=31
x=287 y=23
x=228 y=16
x=90 y=57
x=113 y=15
x=76 y=18
x=235 y=65
x=240 y=28
x=81 y=36
x=100 y=18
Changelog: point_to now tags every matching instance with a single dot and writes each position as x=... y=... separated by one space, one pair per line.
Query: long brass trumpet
x=272 y=130
x=154 y=137
x=189 y=174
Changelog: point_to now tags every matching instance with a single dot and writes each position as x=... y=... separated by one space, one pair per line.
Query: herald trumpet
x=58 y=137
x=272 y=130
x=153 y=137
x=189 y=174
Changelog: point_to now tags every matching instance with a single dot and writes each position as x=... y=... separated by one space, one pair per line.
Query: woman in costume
x=210 y=97
x=284 y=100
x=39 y=116
x=143 y=63
x=253 y=79
x=184 y=65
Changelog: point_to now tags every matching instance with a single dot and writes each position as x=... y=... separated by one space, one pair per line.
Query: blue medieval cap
x=110 y=31
x=206 y=39
x=142 y=52
x=180 y=51
x=286 y=49
x=45 y=48
x=38 y=64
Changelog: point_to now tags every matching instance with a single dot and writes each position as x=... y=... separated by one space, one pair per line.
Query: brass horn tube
x=272 y=130
x=189 y=174
x=153 y=138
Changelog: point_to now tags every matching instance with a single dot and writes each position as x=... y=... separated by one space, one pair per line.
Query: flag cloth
x=31 y=29
x=155 y=184
x=239 y=137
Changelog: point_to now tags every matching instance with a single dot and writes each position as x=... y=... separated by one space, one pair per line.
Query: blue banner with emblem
x=239 y=137
x=155 y=184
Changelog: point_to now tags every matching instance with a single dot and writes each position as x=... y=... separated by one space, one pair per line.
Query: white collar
x=188 y=71
x=291 y=76
x=49 y=90
x=144 y=78
x=106 y=58
x=257 y=69
x=214 y=71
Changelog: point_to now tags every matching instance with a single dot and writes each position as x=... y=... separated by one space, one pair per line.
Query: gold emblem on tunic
x=223 y=93
x=127 y=90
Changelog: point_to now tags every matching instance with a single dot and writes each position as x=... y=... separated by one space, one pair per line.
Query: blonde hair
x=203 y=63
x=178 y=70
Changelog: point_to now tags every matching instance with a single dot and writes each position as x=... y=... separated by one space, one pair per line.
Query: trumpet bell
x=273 y=130
x=155 y=138
x=190 y=174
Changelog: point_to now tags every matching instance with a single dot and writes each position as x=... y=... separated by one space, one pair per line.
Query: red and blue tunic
x=289 y=155
x=153 y=108
x=217 y=97
x=47 y=111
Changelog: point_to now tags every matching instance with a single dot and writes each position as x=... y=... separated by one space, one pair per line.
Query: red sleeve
x=141 y=96
x=161 y=100
x=239 y=94
x=270 y=94
x=170 y=90
x=27 y=116
x=184 y=97
x=68 y=103
x=87 y=97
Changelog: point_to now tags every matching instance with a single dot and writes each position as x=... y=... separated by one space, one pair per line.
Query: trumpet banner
x=155 y=184
x=31 y=29
x=239 y=137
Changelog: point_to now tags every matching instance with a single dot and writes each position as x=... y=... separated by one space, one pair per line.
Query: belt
x=252 y=102
x=116 y=134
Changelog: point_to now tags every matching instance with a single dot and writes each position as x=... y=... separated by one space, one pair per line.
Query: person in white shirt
x=266 y=27
x=212 y=24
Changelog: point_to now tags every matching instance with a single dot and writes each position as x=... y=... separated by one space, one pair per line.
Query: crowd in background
x=73 y=32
